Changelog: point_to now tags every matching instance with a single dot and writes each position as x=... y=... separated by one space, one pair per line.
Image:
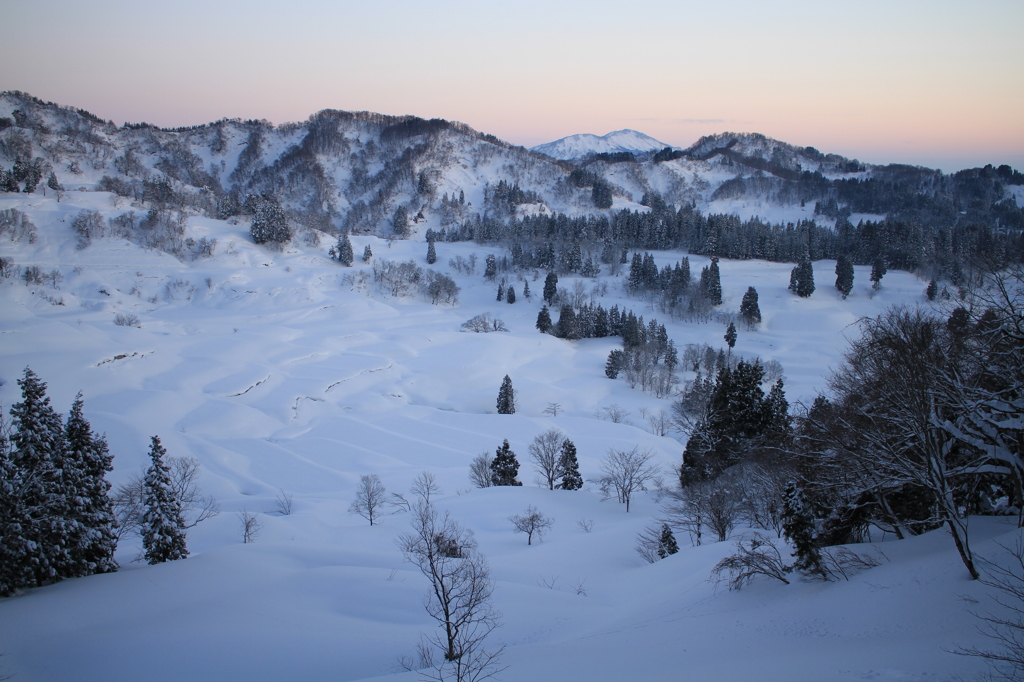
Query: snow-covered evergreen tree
x=711 y=283
x=544 y=320
x=163 y=527
x=367 y=254
x=400 y=223
x=730 y=336
x=844 y=275
x=36 y=534
x=878 y=270
x=750 y=311
x=667 y=544
x=343 y=250
x=612 y=367
x=87 y=460
x=431 y=253
x=510 y=295
x=798 y=528
x=506 y=397
x=801 y=279
x=505 y=466
x=570 y=467
x=550 y=287
x=269 y=223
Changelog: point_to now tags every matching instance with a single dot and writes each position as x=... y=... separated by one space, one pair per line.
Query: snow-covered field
x=279 y=373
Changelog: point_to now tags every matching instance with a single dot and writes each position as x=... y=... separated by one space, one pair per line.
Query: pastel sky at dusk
x=933 y=83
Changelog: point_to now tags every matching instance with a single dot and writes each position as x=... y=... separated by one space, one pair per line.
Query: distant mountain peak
x=584 y=144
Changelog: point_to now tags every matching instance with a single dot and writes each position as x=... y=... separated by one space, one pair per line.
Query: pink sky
x=934 y=83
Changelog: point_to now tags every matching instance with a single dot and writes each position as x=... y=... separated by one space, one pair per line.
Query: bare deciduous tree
x=283 y=504
x=129 y=497
x=531 y=522
x=1004 y=624
x=370 y=498
x=459 y=598
x=614 y=414
x=251 y=525
x=425 y=486
x=545 y=451
x=660 y=423
x=553 y=409
x=626 y=472
x=754 y=557
x=480 y=470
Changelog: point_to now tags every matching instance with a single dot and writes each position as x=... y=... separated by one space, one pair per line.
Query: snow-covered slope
x=282 y=371
x=585 y=144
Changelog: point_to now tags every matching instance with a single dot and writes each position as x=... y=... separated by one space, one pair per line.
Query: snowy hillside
x=585 y=144
x=356 y=171
x=286 y=374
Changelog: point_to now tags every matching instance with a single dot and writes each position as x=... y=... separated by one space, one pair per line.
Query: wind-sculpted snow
x=278 y=374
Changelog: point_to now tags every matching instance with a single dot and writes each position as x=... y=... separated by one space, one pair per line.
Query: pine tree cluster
x=739 y=417
x=269 y=223
x=56 y=519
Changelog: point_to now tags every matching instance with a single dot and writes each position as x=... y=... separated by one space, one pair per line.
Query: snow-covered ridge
x=585 y=144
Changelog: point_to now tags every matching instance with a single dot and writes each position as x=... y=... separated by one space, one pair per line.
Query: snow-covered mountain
x=585 y=144
x=353 y=171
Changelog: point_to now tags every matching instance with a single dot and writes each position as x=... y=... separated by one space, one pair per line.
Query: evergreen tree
x=878 y=270
x=506 y=397
x=490 y=267
x=600 y=323
x=37 y=535
x=35 y=176
x=567 y=327
x=636 y=273
x=526 y=290
x=400 y=223
x=53 y=184
x=616 y=359
x=163 y=527
x=510 y=295
x=505 y=466
x=343 y=251
x=671 y=356
x=86 y=463
x=667 y=544
x=15 y=553
x=778 y=424
x=544 y=320
x=801 y=279
x=269 y=223
x=570 y=467
x=750 y=311
x=730 y=336
x=711 y=283
x=798 y=528
x=932 y=290
x=844 y=275
x=431 y=253
x=602 y=194
x=550 y=287
x=501 y=291
x=367 y=254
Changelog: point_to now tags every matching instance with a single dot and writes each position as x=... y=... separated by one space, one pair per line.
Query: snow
x=584 y=144
x=278 y=374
